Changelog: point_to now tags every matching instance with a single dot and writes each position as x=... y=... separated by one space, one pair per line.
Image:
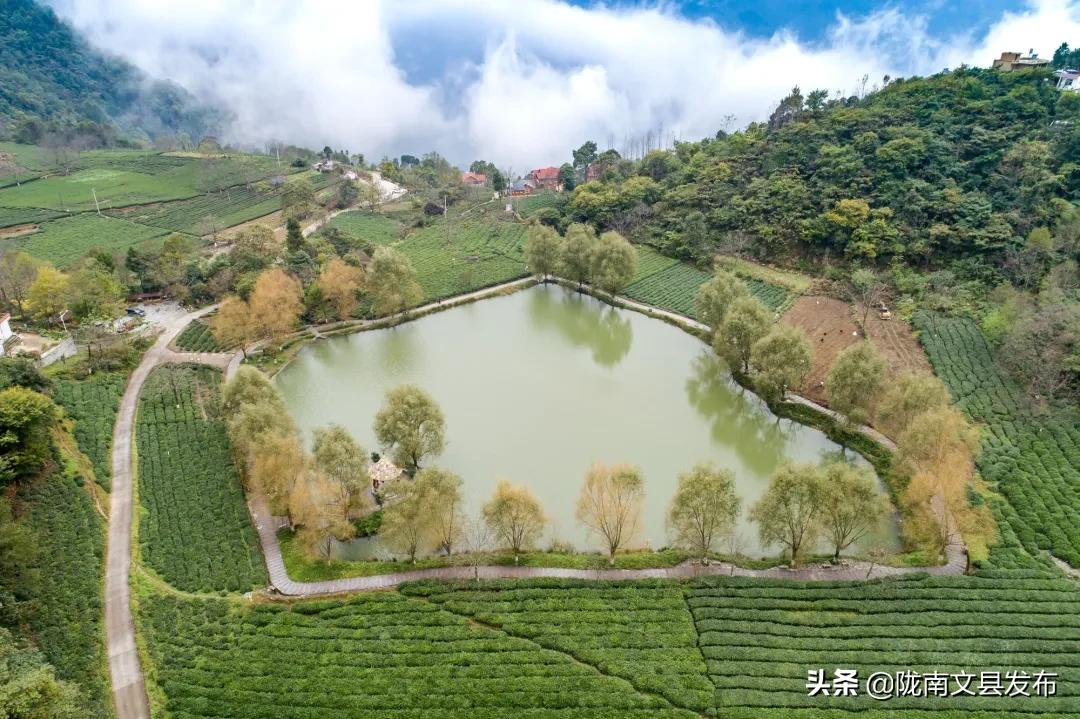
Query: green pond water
x=537 y=385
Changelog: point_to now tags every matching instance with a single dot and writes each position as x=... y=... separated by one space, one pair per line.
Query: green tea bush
x=194 y=528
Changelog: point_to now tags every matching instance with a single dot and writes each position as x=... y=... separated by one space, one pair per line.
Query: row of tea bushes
x=760 y=638
x=373 y=656
x=1033 y=459
x=194 y=530
x=641 y=632
x=93 y=402
x=67 y=619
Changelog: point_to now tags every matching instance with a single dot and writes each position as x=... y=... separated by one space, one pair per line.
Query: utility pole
x=96 y=205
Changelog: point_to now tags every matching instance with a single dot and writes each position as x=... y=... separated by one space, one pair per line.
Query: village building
x=525 y=186
x=1010 y=61
x=547 y=178
x=474 y=179
x=323 y=166
x=1068 y=80
x=7 y=337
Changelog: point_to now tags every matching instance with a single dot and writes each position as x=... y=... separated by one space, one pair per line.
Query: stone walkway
x=267 y=526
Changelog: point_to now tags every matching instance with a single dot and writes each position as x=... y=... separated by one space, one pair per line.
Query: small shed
x=382 y=472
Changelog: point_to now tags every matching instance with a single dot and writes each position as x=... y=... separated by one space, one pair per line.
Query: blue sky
x=809 y=20
x=521 y=82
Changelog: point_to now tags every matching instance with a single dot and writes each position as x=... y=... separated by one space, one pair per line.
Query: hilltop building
x=1068 y=80
x=547 y=178
x=1010 y=61
x=474 y=179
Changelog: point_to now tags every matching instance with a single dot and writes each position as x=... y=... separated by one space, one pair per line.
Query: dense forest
x=52 y=81
x=959 y=190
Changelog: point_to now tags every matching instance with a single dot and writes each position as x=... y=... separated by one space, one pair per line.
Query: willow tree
x=854 y=382
x=543 y=250
x=717 y=294
x=515 y=515
x=789 y=513
x=613 y=263
x=908 y=396
x=233 y=326
x=852 y=505
x=339 y=282
x=609 y=504
x=782 y=359
x=276 y=303
x=407 y=525
x=938 y=450
x=704 y=509
x=575 y=264
x=745 y=322
x=345 y=463
x=410 y=426
x=391 y=282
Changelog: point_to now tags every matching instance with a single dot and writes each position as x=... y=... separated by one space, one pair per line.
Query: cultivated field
x=68 y=621
x=549 y=648
x=760 y=637
x=93 y=403
x=1032 y=458
x=63 y=242
x=197 y=337
x=194 y=528
x=830 y=326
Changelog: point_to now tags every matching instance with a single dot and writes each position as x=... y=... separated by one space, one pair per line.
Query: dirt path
x=128 y=685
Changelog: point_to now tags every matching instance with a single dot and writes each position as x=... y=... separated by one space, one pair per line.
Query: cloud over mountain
x=518 y=83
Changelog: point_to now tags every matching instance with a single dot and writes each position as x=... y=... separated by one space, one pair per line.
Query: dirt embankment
x=830 y=326
x=16 y=230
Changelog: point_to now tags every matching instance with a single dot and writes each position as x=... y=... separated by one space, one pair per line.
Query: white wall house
x=5 y=331
x=1068 y=80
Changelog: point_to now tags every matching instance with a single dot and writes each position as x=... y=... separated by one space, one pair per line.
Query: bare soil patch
x=16 y=230
x=830 y=326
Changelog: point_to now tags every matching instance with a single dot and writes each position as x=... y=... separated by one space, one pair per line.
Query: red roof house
x=547 y=178
x=474 y=178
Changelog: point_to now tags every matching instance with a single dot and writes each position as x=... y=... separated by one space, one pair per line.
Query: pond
x=538 y=385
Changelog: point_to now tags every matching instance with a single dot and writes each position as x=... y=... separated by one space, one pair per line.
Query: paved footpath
x=129 y=688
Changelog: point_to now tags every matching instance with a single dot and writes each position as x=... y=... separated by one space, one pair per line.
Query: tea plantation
x=67 y=616
x=197 y=337
x=368 y=657
x=544 y=648
x=92 y=403
x=1032 y=458
x=194 y=528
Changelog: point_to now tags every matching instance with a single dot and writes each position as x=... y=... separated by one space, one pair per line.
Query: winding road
x=128 y=682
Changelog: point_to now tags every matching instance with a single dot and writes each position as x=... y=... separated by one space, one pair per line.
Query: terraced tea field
x=67 y=621
x=194 y=528
x=672 y=285
x=12 y=216
x=378 y=229
x=1032 y=459
x=63 y=242
x=373 y=656
x=641 y=632
x=93 y=403
x=227 y=208
x=197 y=337
x=760 y=637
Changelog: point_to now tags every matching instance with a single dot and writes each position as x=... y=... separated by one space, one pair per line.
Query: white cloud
x=545 y=75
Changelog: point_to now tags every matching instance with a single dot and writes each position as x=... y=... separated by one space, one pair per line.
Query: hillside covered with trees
x=53 y=81
x=959 y=190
